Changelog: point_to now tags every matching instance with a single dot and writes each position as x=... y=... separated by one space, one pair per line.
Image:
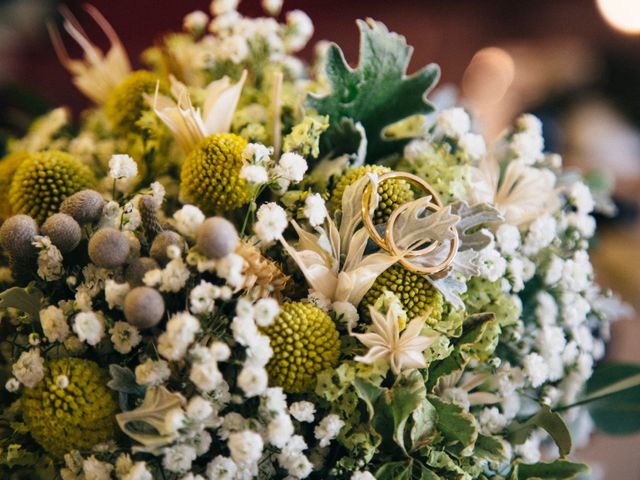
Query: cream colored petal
x=483 y=398
x=366 y=273
x=410 y=359
x=373 y=355
x=220 y=106
x=319 y=277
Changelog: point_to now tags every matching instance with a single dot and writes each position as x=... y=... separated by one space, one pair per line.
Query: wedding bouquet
x=236 y=265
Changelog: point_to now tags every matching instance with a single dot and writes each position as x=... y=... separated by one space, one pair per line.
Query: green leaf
x=378 y=93
x=557 y=470
x=548 y=420
x=424 y=425
x=490 y=448
x=615 y=392
x=456 y=424
x=26 y=300
x=390 y=408
x=395 y=471
x=479 y=339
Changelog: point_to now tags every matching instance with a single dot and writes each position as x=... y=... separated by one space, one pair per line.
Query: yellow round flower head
x=76 y=417
x=414 y=291
x=8 y=167
x=126 y=103
x=305 y=342
x=44 y=180
x=393 y=193
x=210 y=176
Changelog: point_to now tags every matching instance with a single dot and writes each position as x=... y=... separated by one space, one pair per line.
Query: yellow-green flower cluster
x=75 y=417
x=44 y=180
x=446 y=172
x=417 y=295
x=392 y=193
x=483 y=295
x=305 y=342
x=210 y=176
x=304 y=138
x=8 y=167
x=126 y=102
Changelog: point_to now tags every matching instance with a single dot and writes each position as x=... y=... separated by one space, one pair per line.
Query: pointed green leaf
x=395 y=471
x=456 y=424
x=557 y=470
x=424 y=425
x=548 y=420
x=377 y=93
x=491 y=448
x=615 y=390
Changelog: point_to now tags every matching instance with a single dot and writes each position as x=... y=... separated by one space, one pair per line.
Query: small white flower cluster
x=455 y=124
x=260 y=169
x=49 y=259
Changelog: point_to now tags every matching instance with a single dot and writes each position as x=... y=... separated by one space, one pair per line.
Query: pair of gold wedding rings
x=388 y=242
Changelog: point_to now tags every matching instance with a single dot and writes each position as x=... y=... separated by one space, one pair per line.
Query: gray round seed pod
x=137 y=269
x=108 y=248
x=217 y=237
x=161 y=242
x=63 y=230
x=143 y=307
x=84 y=206
x=16 y=235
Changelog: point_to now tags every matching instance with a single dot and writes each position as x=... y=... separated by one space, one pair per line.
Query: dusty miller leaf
x=377 y=93
x=471 y=219
x=26 y=300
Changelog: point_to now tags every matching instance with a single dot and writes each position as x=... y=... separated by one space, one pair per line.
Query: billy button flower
x=71 y=408
x=126 y=102
x=393 y=193
x=305 y=342
x=210 y=176
x=415 y=292
x=44 y=180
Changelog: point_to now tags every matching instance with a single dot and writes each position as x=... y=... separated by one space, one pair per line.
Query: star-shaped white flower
x=401 y=350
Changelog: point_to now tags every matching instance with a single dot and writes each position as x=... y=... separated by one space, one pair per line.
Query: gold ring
x=366 y=199
x=394 y=250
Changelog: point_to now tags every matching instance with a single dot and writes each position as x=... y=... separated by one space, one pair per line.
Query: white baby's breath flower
x=94 y=469
x=124 y=337
x=348 y=312
x=272 y=7
x=152 y=372
x=179 y=458
x=253 y=380
x=89 y=327
x=174 y=276
x=271 y=222
x=115 y=292
x=221 y=468
x=535 y=369
x=202 y=298
x=303 y=411
x=454 y=123
x=254 y=174
x=265 y=311
x=158 y=193
x=180 y=333
x=50 y=259
x=62 y=381
x=291 y=167
x=279 y=430
x=195 y=21
x=527 y=147
x=220 y=7
x=328 y=429
x=122 y=166
x=29 y=369
x=491 y=421
x=300 y=30
x=508 y=238
x=12 y=385
x=54 y=324
x=245 y=447
x=230 y=268
x=473 y=144
x=315 y=209
x=188 y=219
x=362 y=476
x=256 y=153
x=491 y=263
x=199 y=409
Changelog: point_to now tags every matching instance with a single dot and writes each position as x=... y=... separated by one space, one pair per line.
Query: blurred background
x=574 y=63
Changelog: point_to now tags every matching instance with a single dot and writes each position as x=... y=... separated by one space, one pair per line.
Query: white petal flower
x=122 y=166
x=385 y=341
x=195 y=21
x=272 y=221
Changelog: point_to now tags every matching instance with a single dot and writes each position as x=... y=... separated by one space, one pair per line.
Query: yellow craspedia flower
x=76 y=417
x=210 y=176
x=305 y=342
x=44 y=180
x=393 y=193
x=126 y=102
x=8 y=167
x=414 y=291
